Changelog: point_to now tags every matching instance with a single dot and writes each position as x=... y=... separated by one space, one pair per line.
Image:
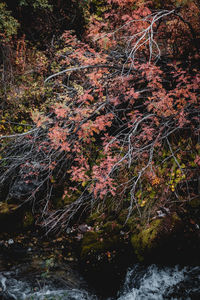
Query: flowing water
x=142 y=282
x=157 y=283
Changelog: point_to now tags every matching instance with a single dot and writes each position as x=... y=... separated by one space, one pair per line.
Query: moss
x=148 y=239
x=132 y=223
x=6 y=208
x=91 y=243
x=102 y=241
x=122 y=216
x=111 y=227
x=194 y=203
x=96 y=217
x=175 y=218
x=145 y=240
x=28 y=220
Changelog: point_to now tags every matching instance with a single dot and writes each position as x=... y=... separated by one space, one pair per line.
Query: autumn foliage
x=123 y=129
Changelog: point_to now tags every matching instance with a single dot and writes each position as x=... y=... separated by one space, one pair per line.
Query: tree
x=124 y=130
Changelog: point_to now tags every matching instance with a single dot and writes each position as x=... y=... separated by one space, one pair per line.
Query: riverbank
x=102 y=249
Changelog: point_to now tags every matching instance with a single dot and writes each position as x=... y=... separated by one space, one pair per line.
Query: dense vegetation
x=99 y=107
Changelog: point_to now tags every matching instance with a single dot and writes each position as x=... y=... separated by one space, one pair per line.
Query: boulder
x=15 y=218
x=105 y=255
x=166 y=240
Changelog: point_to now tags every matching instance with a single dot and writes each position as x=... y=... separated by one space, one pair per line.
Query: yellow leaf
x=143 y=203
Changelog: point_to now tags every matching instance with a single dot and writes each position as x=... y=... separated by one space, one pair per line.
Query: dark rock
x=10 y=215
x=20 y=189
x=14 y=218
x=167 y=240
x=105 y=256
x=27 y=181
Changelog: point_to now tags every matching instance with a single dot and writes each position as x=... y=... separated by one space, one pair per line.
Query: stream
x=141 y=282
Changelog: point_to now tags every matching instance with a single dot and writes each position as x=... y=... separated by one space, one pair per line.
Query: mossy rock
x=91 y=243
x=149 y=239
x=111 y=227
x=96 y=244
x=105 y=256
x=145 y=240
